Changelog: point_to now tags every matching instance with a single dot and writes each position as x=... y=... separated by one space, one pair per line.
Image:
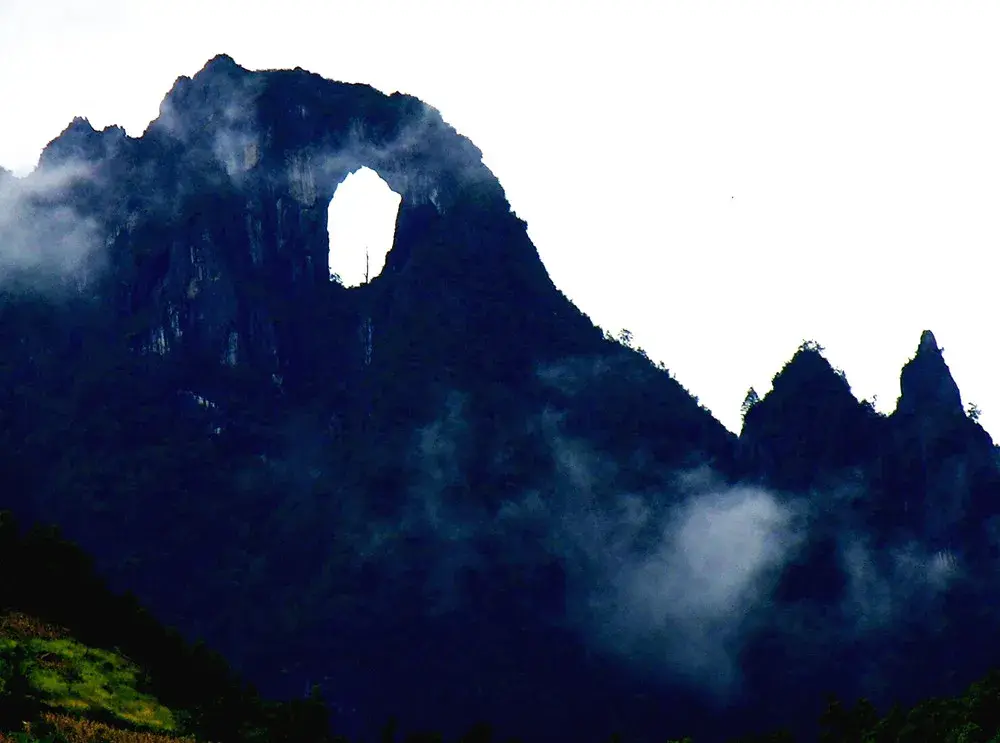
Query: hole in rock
x=361 y=222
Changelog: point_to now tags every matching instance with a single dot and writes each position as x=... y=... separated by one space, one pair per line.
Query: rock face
x=926 y=469
x=898 y=506
x=926 y=384
x=942 y=463
x=80 y=142
x=217 y=221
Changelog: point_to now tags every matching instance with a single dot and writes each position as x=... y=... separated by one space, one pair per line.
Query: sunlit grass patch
x=71 y=676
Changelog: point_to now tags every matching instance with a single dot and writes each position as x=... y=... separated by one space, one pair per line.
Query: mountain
x=445 y=494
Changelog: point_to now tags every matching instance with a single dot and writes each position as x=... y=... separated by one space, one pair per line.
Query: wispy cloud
x=668 y=579
x=674 y=579
x=231 y=125
x=44 y=241
x=415 y=161
x=676 y=575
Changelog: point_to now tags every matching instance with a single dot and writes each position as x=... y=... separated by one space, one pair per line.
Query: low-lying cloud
x=233 y=129
x=667 y=579
x=44 y=241
x=685 y=604
x=885 y=586
x=675 y=579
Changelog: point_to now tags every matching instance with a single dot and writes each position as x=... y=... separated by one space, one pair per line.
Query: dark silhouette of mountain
x=445 y=494
x=808 y=426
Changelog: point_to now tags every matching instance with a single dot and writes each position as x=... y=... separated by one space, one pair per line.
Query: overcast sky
x=724 y=179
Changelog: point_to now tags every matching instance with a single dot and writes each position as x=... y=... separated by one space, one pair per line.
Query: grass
x=88 y=694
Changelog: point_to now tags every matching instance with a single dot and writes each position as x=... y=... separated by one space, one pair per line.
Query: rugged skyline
x=836 y=159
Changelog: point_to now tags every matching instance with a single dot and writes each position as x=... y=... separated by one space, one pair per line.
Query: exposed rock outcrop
x=80 y=143
x=926 y=384
x=940 y=463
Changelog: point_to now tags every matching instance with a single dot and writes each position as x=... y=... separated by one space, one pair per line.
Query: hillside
x=55 y=688
x=81 y=660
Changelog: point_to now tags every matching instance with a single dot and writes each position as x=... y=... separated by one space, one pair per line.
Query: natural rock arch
x=218 y=233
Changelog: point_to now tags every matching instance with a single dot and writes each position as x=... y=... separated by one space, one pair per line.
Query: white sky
x=724 y=179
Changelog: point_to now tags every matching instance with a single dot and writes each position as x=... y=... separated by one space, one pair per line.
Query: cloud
x=44 y=241
x=677 y=576
x=415 y=161
x=676 y=580
x=668 y=580
x=886 y=586
x=232 y=121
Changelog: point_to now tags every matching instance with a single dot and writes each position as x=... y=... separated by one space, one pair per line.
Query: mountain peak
x=219 y=67
x=80 y=141
x=810 y=422
x=222 y=62
x=926 y=384
x=809 y=368
x=928 y=344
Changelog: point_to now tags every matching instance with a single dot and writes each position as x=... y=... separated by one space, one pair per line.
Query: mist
x=235 y=139
x=667 y=580
x=674 y=580
x=45 y=243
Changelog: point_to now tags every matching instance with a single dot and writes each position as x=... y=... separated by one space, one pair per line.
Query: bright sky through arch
x=725 y=179
x=361 y=223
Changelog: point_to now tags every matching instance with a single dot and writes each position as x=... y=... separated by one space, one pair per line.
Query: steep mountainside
x=446 y=491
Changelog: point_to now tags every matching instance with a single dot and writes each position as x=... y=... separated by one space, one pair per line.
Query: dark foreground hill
x=445 y=495
x=87 y=665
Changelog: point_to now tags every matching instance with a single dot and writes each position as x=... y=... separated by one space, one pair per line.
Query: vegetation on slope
x=81 y=665
x=77 y=661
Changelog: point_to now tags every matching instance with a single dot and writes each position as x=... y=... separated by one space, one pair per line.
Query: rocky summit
x=444 y=495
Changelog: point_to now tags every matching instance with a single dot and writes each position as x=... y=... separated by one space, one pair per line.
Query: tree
x=870 y=405
x=973 y=411
x=843 y=724
x=625 y=337
x=811 y=345
x=749 y=401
